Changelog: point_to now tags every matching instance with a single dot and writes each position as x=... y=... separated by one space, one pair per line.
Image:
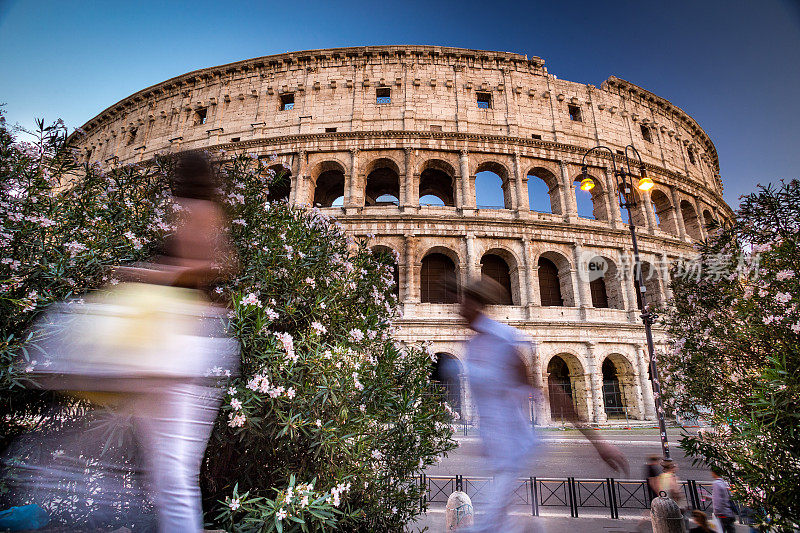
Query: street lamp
x=627 y=200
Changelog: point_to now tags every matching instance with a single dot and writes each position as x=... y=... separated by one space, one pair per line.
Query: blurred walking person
x=500 y=388
x=721 y=501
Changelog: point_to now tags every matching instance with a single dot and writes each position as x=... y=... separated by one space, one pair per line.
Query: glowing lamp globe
x=587 y=184
x=645 y=184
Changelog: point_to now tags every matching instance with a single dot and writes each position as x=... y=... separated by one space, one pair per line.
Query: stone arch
x=541 y=174
x=328 y=179
x=708 y=219
x=493 y=262
x=489 y=173
x=596 y=198
x=620 y=391
x=395 y=258
x=690 y=220
x=605 y=283
x=382 y=185
x=281 y=182
x=445 y=379
x=665 y=214
x=555 y=280
x=575 y=385
x=437 y=265
x=638 y=214
x=652 y=285
x=437 y=181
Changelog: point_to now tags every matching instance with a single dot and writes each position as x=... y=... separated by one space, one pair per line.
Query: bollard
x=666 y=516
x=459 y=512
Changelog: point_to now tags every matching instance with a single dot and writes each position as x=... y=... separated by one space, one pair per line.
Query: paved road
x=568 y=453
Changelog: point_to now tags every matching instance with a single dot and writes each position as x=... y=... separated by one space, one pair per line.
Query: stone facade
x=399 y=122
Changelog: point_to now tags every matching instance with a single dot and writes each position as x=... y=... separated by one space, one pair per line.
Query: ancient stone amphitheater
x=392 y=140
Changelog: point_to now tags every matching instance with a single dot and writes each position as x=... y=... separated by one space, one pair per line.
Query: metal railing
x=563 y=494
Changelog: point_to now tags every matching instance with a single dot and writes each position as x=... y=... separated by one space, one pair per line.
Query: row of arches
x=556 y=282
x=437 y=185
x=618 y=392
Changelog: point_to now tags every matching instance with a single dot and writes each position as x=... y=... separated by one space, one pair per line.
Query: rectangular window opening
x=646 y=135
x=383 y=95
x=536 y=136
x=287 y=101
x=330 y=130
x=200 y=116
x=692 y=160
x=435 y=127
x=620 y=152
x=575 y=113
x=235 y=139
x=484 y=100
x=132 y=135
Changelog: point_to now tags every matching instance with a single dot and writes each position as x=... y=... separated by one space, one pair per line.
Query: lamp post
x=627 y=200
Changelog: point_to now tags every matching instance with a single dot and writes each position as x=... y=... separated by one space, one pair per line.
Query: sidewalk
x=524 y=522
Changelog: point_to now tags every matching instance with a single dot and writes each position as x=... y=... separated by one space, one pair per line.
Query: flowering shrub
x=325 y=394
x=734 y=331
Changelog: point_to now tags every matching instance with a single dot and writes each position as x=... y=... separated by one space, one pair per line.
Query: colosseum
x=464 y=162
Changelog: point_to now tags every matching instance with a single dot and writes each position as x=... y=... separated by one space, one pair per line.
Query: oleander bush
x=329 y=419
x=734 y=332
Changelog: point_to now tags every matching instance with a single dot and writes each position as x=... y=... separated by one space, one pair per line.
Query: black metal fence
x=567 y=494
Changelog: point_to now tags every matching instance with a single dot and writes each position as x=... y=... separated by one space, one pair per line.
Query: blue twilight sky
x=733 y=65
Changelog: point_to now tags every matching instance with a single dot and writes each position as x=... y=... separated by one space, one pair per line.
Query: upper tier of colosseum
x=427 y=91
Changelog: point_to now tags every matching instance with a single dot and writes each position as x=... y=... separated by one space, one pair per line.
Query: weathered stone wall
x=433 y=123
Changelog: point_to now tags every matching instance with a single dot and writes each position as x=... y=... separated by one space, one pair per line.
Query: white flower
x=239 y=221
x=784 y=275
x=318 y=423
x=290 y=392
x=319 y=328
x=250 y=299
x=796 y=328
x=236 y=420
x=281 y=514
x=74 y=248
x=271 y=314
x=783 y=297
x=234 y=504
x=356 y=335
x=236 y=404
x=304 y=501
x=232 y=391
x=288 y=345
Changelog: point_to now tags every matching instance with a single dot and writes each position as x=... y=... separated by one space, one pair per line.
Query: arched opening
x=445 y=380
x=495 y=267
x=690 y=220
x=329 y=185
x=383 y=184
x=492 y=190
x=591 y=204
x=387 y=254
x=636 y=207
x=605 y=286
x=619 y=388
x=543 y=191
x=558 y=375
x=549 y=283
x=652 y=286
x=436 y=187
x=436 y=269
x=708 y=220
x=613 y=400
x=664 y=212
x=280 y=183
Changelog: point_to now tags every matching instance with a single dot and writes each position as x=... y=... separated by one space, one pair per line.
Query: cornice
x=666 y=105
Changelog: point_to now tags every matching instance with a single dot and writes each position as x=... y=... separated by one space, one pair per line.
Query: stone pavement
x=525 y=523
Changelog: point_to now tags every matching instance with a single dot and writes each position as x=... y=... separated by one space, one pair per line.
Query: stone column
x=644 y=383
x=665 y=278
x=467 y=198
x=352 y=184
x=526 y=279
x=471 y=263
x=585 y=295
x=614 y=210
x=676 y=206
x=650 y=215
x=522 y=185
x=411 y=187
x=570 y=204
x=596 y=380
x=298 y=194
x=542 y=409
x=411 y=294
x=700 y=220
